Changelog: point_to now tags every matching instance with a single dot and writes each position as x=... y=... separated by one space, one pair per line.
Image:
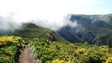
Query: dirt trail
x=26 y=56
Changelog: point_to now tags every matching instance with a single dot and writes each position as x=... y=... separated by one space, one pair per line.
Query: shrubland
x=66 y=52
x=10 y=48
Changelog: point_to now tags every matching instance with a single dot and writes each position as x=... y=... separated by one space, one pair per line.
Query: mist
x=52 y=14
x=8 y=23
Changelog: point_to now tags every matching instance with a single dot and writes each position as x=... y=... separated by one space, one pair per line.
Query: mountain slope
x=91 y=28
x=30 y=30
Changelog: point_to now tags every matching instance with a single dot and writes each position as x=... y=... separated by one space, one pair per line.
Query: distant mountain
x=95 y=29
x=30 y=30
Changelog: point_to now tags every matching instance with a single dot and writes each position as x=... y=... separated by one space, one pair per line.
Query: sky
x=51 y=13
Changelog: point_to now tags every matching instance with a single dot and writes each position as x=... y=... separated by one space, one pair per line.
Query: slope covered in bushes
x=10 y=48
x=65 y=52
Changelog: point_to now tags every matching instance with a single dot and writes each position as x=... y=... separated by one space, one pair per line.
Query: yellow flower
x=81 y=51
x=4 y=40
x=58 y=61
x=109 y=60
x=104 y=48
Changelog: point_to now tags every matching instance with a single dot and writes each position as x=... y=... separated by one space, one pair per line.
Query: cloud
x=8 y=24
x=46 y=13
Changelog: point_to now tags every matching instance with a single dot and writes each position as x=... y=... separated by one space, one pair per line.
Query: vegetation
x=49 y=47
x=10 y=47
x=54 y=52
x=94 y=29
x=109 y=60
x=30 y=30
x=65 y=52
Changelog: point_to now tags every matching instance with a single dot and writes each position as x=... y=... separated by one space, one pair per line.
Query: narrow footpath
x=26 y=56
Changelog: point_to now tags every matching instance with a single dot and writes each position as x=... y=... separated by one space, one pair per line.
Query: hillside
x=66 y=52
x=30 y=30
x=51 y=51
x=91 y=28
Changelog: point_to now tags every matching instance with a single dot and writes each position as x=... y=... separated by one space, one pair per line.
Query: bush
x=81 y=51
x=58 y=61
x=109 y=60
x=10 y=48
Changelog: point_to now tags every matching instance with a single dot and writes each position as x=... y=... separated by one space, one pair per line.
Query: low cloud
x=8 y=23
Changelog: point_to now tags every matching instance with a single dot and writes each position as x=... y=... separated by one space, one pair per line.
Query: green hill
x=30 y=30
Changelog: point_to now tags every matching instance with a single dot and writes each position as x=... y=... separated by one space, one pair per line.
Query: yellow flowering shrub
x=109 y=60
x=81 y=51
x=58 y=61
x=4 y=40
x=10 y=46
x=104 y=48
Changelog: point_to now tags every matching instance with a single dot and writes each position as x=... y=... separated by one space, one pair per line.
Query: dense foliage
x=64 y=52
x=10 y=47
x=54 y=52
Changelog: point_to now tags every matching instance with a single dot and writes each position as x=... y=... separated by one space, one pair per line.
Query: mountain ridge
x=91 y=29
x=31 y=30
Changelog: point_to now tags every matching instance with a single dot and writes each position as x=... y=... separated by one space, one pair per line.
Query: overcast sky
x=52 y=11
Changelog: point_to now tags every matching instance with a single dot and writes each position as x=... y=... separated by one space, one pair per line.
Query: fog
x=52 y=14
x=8 y=23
